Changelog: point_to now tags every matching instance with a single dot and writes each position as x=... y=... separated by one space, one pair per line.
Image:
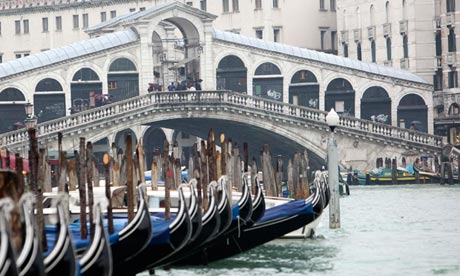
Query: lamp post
x=332 y=120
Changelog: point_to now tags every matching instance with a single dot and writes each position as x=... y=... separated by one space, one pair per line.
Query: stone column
x=207 y=71
x=145 y=58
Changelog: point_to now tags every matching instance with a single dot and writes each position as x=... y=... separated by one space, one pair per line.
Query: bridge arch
x=120 y=139
x=49 y=100
x=231 y=74
x=153 y=138
x=304 y=89
x=267 y=81
x=413 y=112
x=376 y=105
x=340 y=95
x=12 y=102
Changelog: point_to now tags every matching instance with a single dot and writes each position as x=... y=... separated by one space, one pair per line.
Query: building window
x=25 y=22
x=113 y=14
x=190 y=3
x=405 y=46
x=438 y=44
x=333 y=40
x=345 y=50
x=45 y=24
x=332 y=4
x=258 y=4
x=322 y=39
x=275 y=4
x=132 y=10
x=451 y=45
x=388 y=42
x=1 y=58
x=452 y=78
x=85 y=20
x=225 y=6
x=236 y=5
x=373 y=50
x=203 y=5
x=17 y=26
x=58 y=23
x=0 y=28
x=142 y=9
x=321 y=5
x=103 y=16
x=358 y=51
x=18 y=56
x=450 y=5
x=259 y=34
x=276 y=35
x=76 y=23
x=437 y=80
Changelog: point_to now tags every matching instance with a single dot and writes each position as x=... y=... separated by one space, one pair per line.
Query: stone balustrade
x=241 y=102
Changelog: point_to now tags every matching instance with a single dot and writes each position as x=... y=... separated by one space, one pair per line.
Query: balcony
x=344 y=36
x=437 y=23
x=371 y=32
x=450 y=19
x=403 y=27
x=388 y=63
x=438 y=62
x=387 y=29
x=451 y=59
x=357 y=35
x=404 y=63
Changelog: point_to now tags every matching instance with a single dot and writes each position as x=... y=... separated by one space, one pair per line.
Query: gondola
x=61 y=259
x=97 y=259
x=30 y=259
x=276 y=222
x=7 y=257
x=167 y=238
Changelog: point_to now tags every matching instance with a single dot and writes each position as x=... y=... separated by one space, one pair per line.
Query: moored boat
x=7 y=257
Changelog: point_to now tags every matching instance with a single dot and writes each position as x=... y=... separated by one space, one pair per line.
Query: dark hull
x=150 y=256
x=97 y=259
x=135 y=236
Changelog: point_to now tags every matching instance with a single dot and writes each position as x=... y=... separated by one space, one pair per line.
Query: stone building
x=419 y=36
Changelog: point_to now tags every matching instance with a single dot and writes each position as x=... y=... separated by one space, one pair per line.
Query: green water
x=403 y=230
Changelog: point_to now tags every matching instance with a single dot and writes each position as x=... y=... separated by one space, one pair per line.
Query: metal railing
x=243 y=102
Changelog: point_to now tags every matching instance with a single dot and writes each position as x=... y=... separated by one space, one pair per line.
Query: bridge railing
x=239 y=100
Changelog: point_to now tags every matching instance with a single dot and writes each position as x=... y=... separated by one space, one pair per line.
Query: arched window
x=454 y=109
x=11 y=95
x=358 y=51
x=122 y=64
x=345 y=50
x=340 y=96
x=268 y=82
x=405 y=46
x=373 y=54
x=268 y=68
x=85 y=74
x=48 y=85
x=304 y=89
x=372 y=15
x=387 y=12
x=388 y=42
x=231 y=74
x=376 y=105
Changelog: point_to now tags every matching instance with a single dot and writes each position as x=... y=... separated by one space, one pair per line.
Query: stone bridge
x=285 y=127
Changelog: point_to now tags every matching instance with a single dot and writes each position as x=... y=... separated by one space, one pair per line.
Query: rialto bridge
x=280 y=92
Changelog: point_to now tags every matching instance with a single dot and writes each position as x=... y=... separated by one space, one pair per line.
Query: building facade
x=419 y=36
x=32 y=26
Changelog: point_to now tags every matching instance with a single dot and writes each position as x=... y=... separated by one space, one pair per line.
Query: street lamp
x=333 y=120
x=29 y=109
x=30 y=122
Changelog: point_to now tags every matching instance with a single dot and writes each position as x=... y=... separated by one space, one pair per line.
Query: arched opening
x=304 y=89
x=454 y=109
x=84 y=87
x=413 y=113
x=376 y=105
x=11 y=108
x=122 y=80
x=49 y=100
x=120 y=140
x=340 y=96
x=231 y=74
x=388 y=44
x=268 y=82
x=100 y=148
x=185 y=142
x=153 y=139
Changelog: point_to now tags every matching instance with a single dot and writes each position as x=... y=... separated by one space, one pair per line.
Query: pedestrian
x=198 y=84
x=192 y=88
x=171 y=87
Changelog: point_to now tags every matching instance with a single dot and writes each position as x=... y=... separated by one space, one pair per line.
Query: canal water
x=386 y=230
